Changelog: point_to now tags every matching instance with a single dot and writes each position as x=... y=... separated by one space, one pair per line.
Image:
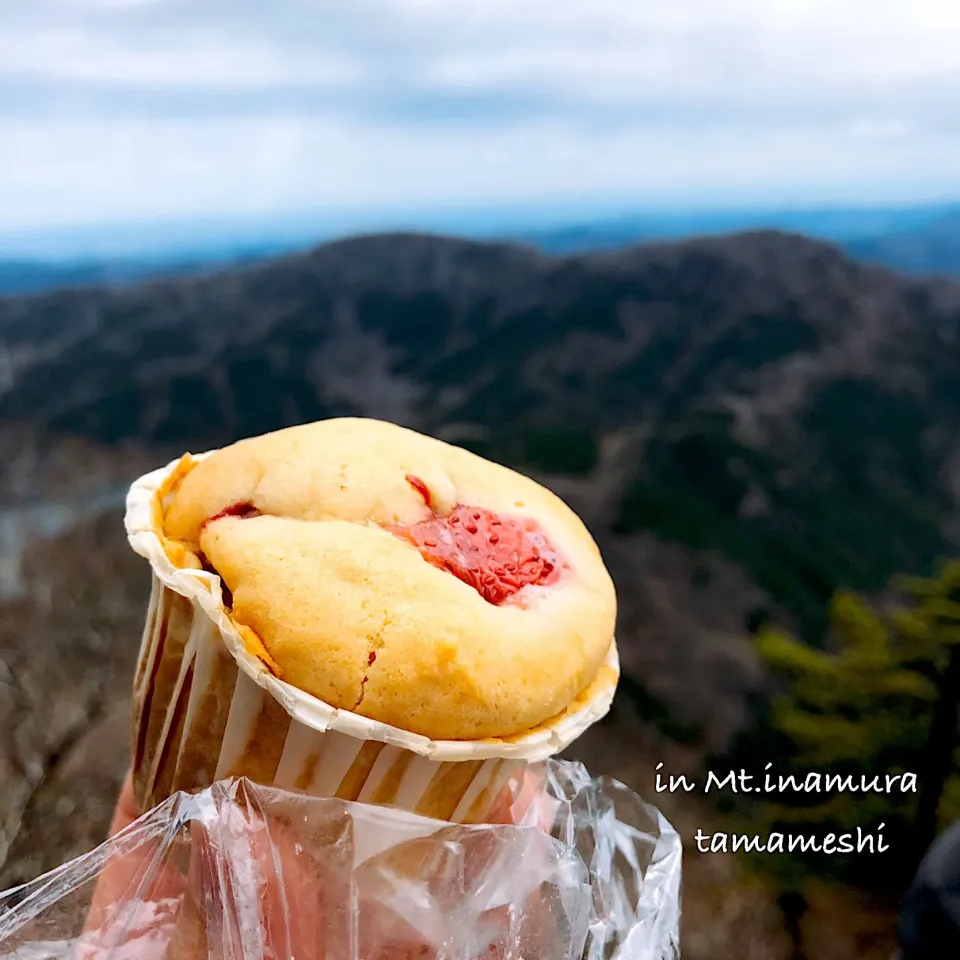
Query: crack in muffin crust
x=243 y=510
x=497 y=556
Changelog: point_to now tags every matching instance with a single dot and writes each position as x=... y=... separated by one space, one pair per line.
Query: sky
x=127 y=111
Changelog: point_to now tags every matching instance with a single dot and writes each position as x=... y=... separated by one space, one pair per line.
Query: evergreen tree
x=933 y=626
x=881 y=700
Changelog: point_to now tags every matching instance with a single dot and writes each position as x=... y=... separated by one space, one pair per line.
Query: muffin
x=354 y=609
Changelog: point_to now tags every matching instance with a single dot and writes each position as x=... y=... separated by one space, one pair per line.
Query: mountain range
x=918 y=240
x=746 y=423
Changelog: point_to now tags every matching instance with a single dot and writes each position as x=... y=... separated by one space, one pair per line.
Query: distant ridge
x=838 y=225
x=921 y=239
x=29 y=276
x=931 y=249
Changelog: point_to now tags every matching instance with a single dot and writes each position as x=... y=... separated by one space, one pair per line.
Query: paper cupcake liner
x=206 y=708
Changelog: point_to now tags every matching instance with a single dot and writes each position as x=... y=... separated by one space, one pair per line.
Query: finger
x=126 y=810
x=529 y=795
x=522 y=801
x=274 y=877
x=124 y=875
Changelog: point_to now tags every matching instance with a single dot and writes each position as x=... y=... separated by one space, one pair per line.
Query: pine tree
x=882 y=699
x=934 y=627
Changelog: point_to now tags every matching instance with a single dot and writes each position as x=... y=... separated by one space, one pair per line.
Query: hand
x=292 y=920
x=121 y=874
x=145 y=908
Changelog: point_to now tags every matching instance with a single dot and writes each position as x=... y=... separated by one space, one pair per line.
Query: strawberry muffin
x=354 y=610
x=398 y=577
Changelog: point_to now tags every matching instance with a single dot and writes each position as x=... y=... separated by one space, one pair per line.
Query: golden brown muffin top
x=401 y=577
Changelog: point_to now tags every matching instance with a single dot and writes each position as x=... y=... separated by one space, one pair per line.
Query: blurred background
x=694 y=267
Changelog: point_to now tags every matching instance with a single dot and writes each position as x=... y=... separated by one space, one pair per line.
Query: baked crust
x=304 y=527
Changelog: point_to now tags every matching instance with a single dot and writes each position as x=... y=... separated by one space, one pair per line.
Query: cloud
x=121 y=108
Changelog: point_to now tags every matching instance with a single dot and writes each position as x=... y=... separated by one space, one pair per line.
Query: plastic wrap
x=244 y=872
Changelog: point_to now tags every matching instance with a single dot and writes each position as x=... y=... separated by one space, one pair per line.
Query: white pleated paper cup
x=206 y=708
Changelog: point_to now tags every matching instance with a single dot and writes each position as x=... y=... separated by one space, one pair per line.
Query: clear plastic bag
x=240 y=871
